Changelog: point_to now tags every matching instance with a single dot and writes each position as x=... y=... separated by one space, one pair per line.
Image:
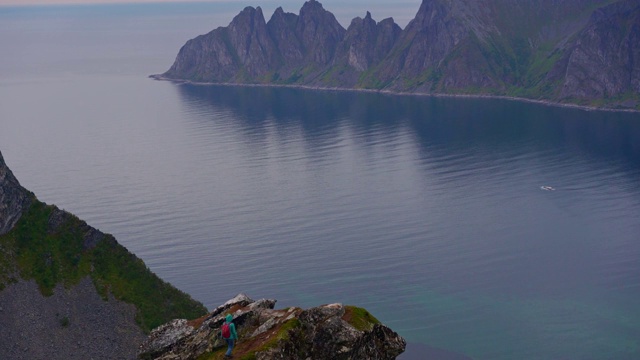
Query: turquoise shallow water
x=427 y=211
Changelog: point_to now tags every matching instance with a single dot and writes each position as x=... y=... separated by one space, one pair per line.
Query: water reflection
x=433 y=206
x=458 y=123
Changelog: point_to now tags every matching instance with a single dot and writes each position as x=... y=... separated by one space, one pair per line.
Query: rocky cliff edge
x=330 y=331
x=14 y=199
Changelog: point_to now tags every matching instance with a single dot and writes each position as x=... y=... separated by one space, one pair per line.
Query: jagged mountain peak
x=249 y=13
x=311 y=4
x=358 y=21
x=313 y=9
x=278 y=11
x=250 y=9
x=388 y=21
x=497 y=47
x=319 y=32
x=254 y=48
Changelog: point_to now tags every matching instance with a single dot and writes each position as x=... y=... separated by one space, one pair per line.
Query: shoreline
x=397 y=93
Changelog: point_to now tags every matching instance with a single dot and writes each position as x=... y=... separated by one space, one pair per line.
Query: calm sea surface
x=426 y=211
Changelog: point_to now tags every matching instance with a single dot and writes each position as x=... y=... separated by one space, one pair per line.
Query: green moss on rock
x=359 y=318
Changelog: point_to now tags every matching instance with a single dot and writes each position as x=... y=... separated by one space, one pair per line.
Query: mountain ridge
x=451 y=47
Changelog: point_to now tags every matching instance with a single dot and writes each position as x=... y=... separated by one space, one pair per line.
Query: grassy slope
x=32 y=251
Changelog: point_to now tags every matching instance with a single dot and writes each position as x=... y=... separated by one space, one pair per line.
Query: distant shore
x=389 y=92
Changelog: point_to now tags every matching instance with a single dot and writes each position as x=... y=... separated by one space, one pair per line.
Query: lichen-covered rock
x=165 y=337
x=180 y=339
x=377 y=344
x=324 y=332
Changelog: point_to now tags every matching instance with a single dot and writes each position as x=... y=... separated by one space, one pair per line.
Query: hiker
x=229 y=334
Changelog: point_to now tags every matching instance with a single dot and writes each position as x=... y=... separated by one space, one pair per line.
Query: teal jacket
x=232 y=327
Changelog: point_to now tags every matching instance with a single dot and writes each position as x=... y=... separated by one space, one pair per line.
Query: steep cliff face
x=255 y=50
x=364 y=46
x=307 y=43
x=208 y=57
x=14 y=199
x=326 y=332
x=441 y=50
x=604 y=60
x=366 y=42
x=319 y=31
x=428 y=39
x=358 y=48
x=580 y=51
x=282 y=29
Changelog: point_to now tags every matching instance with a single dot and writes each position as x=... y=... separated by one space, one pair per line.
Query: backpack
x=226 y=330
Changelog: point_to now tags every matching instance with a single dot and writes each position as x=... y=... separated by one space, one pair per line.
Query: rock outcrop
x=365 y=44
x=578 y=51
x=319 y=32
x=14 y=199
x=326 y=332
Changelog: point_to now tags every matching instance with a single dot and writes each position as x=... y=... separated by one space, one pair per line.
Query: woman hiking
x=229 y=334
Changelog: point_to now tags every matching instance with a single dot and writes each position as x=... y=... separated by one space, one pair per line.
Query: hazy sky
x=58 y=2
x=401 y=10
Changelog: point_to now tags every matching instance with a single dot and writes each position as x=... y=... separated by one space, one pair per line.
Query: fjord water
x=426 y=211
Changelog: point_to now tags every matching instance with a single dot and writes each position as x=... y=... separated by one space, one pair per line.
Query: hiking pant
x=230 y=343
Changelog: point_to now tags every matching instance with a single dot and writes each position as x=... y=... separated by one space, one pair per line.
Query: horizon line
x=30 y=3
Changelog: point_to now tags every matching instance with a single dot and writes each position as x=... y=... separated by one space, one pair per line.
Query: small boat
x=547 y=188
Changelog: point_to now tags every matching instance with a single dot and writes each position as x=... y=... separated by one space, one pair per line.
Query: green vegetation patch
x=371 y=79
x=64 y=322
x=46 y=256
x=37 y=250
x=294 y=78
x=334 y=76
x=282 y=334
x=247 y=349
x=129 y=280
x=359 y=318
